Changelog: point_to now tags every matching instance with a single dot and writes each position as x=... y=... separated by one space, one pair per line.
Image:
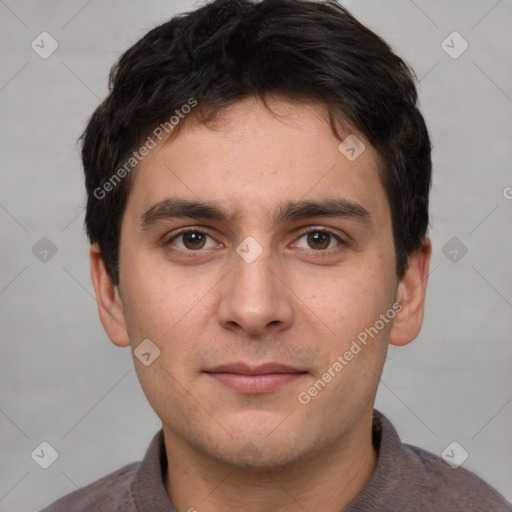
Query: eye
x=317 y=240
x=191 y=240
x=320 y=240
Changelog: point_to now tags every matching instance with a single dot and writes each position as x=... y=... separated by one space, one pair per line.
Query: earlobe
x=411 y=295
x=110 y=306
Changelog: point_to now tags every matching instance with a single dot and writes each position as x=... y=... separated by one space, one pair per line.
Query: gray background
x=63 y=382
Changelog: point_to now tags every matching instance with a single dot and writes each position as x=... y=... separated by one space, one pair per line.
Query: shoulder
x=411 y=479
x=455 y=488
x=112 y=492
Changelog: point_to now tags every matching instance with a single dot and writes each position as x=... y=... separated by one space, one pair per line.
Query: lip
x=248 y=369
x=249 y=379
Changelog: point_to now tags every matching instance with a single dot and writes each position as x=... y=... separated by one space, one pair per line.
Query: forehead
x=252 y=161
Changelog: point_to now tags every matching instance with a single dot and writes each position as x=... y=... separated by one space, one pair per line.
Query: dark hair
x=229 y=50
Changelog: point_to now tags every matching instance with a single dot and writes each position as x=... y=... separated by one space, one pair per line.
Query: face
x=287 y=257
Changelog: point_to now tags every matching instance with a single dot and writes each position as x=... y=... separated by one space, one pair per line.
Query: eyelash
x=319 y=253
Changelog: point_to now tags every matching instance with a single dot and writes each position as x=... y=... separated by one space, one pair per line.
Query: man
x=258 y=183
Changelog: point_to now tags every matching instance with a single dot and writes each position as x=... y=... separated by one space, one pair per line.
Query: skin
x=208 y=306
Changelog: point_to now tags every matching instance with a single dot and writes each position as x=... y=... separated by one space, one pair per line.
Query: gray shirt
x=406 y=479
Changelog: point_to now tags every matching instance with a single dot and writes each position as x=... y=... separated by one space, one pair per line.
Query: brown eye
x=191 y=240
x=318 y=240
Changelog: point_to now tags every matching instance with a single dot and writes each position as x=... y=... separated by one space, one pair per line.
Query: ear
x=411 y=295
x=110 y=306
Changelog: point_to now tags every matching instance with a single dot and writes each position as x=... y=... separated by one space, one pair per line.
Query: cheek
x=172 y=311
x=148 y=313
x=162 y=312
x=156 y=300
x=351 y=300
x=344 y=312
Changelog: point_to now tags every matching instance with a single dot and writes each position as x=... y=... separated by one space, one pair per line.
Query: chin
x=259 y=426
x=262 y=445
x=261 y=457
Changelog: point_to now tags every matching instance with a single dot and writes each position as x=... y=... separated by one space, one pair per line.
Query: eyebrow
x=172 y=208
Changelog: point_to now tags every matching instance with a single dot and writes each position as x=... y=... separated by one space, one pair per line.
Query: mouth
x=250 y=379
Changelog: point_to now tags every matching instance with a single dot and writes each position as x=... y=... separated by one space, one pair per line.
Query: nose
x=254 y=298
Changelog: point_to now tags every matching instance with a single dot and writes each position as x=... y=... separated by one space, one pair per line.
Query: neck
x=327 y=481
